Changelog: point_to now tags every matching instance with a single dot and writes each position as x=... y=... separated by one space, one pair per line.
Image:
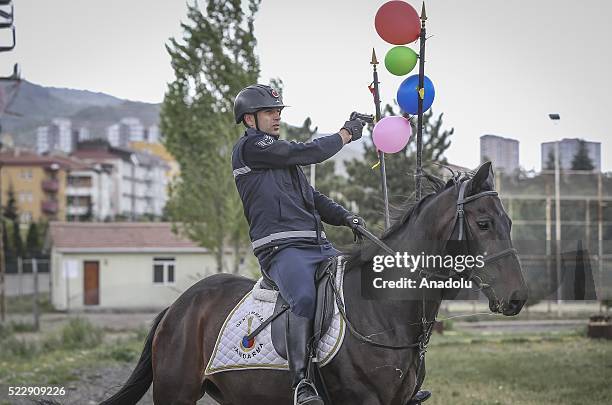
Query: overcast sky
x=498 y=66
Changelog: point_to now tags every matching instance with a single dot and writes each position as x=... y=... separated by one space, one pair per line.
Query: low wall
x=23 y=284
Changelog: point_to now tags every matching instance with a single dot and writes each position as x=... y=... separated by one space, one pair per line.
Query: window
x=163 y=270
x=171 y=273
x=158 y=273
x=26 y=174
x=26 y=217
x=25 y=196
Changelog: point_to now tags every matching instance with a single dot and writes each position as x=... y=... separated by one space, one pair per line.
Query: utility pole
x=2 y=287
x=556 y=118
x=6 y=22
x=558 y=228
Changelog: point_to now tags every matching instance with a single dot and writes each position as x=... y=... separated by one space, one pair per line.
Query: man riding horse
x=284 y=213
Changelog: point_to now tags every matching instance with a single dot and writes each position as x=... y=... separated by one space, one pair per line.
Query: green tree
x=364 y=186
x=89 y=214
x=33 y=241
x=581 y=160
x=11 y=212
x=550 y=162
x=212 y=62
x=9 y=251
x=17 y=240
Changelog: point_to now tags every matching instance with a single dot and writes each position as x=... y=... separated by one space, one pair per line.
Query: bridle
x=460 y=220
x=427 y=326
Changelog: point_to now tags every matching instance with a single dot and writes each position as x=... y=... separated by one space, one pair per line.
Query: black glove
x=352 y=221
x=354 y=127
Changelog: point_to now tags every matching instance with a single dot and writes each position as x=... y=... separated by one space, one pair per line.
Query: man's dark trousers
x=293 y=270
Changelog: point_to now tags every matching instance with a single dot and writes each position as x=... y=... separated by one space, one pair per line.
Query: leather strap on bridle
x=461 y=200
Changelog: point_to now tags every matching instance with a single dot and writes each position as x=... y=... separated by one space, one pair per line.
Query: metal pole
x=2 y=264
x=558 y=228
x=419 y=165
x=600 y=232
x=548 y=239
x=133 y=202
x=67 y=278
x=35 y=303
x=587 y=225
x=20 y=275
x=381 y=155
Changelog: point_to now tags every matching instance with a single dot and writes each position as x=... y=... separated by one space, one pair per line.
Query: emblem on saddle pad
x=247 y=348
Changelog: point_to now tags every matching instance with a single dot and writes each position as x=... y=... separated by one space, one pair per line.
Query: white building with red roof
x=122 y=265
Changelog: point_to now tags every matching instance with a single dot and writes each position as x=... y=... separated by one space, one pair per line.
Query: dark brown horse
x=182 y=337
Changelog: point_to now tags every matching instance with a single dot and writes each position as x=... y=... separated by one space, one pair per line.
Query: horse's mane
x=401 y=215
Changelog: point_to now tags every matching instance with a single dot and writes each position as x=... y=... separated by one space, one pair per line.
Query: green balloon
x=400 y=60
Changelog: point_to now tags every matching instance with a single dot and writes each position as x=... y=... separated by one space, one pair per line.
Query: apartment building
x=38 y=183
x=567 y=151
x=138 y=184
x=502 y=152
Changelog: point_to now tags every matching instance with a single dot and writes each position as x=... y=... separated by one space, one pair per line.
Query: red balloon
x=397 y=22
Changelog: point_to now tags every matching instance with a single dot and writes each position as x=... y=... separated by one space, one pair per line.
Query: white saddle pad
x=254 y=308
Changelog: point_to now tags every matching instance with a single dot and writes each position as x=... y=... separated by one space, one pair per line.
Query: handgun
x=364 y=117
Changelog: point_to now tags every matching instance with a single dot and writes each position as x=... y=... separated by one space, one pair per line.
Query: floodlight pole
x=556 y=118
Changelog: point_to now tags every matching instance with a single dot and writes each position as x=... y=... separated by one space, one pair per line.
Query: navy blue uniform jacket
x=279 y=203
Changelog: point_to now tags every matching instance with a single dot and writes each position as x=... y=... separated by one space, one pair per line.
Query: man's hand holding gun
x=354 y=126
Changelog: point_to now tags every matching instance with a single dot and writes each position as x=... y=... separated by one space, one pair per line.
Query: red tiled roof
x=21 y=157
x=129 y=236
x=72 y=162
x=98 y=155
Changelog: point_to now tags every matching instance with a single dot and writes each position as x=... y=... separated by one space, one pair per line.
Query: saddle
x=324 y=312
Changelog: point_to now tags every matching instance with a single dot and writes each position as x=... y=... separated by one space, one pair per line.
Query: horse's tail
x=140 y=380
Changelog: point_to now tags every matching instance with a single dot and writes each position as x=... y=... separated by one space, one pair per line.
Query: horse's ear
x=484 y=179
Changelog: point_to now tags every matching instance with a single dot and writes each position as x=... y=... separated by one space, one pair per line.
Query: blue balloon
x=408 y=95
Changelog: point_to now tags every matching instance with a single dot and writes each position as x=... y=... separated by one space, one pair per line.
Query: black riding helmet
x=254 y=98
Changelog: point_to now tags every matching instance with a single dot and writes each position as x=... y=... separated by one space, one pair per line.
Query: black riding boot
x=299 y=333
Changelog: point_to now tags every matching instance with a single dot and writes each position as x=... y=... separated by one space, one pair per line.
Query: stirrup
x=419 y=398
x=313 y=400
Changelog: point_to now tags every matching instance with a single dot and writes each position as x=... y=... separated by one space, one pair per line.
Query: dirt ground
x=94 y=386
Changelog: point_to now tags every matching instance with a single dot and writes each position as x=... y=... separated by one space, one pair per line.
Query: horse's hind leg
x=176 y=385
x=177 y=360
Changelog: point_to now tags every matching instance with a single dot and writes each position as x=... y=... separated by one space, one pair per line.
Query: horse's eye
x=483 y=225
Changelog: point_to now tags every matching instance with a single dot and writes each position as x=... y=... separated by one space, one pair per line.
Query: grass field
x=57 y=358
x=529 y=369
x=519 y=369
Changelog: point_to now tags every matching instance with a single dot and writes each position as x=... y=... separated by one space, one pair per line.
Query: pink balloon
x=391 y=134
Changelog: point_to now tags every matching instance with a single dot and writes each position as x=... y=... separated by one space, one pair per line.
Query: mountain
x=80 y=97
x=27 y=106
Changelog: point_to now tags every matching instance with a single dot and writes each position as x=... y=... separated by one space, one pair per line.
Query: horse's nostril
x=518 y=297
